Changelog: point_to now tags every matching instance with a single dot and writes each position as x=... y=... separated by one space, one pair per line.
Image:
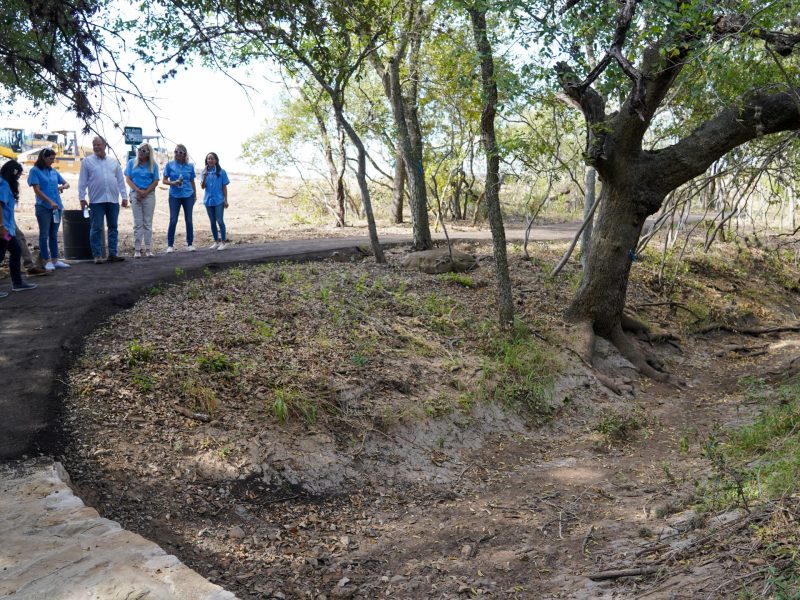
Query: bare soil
x=331 y=431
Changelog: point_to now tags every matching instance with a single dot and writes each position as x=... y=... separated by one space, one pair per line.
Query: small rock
x=466 y=550
x=343 y=582
x=728 y=517
x=668 y=532
x=685 y=521
x=236 y=532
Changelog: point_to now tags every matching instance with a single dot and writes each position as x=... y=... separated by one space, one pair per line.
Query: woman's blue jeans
x=216 y=214
x=175 y=205
x=48 y=232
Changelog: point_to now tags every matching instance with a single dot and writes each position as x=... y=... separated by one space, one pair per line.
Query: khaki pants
x=143 y=220
x=27 y=259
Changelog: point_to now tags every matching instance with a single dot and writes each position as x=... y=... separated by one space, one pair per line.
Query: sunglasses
x=180 y=153
x=144 y=151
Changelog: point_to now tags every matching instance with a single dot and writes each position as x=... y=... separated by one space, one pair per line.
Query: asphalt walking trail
x=51 y=545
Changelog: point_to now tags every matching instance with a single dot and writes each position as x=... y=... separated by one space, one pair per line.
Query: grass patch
x=213 y=361
x=619 y=428
x=139 y=352
x=519 y=372
x=760 y=461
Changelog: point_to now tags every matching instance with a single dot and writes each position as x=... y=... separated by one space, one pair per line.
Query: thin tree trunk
x=588 y=203
x=335 y=173
x=361 y=176
x=398 y=192
x=489 y=88
x=404 y=113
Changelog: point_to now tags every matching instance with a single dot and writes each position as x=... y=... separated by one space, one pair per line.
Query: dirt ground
x=398 y=487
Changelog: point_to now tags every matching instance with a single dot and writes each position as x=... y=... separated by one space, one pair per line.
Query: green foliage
x=139 y=352
x=618 y=427
x=179 y=272
x=759 y=461
x=143 y=381
x=458 y=279
x=289 y=402
x=519 y=372
x=212 y=361
x=157 y=288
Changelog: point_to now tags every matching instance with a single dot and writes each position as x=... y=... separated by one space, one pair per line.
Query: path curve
x=42 y=331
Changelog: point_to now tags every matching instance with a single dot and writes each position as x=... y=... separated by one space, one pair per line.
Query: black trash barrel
x=76 y=236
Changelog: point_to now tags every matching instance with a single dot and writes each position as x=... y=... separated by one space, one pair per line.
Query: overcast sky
x=200 y=108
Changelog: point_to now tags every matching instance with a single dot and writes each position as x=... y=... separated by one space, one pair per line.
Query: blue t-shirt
x=173 y=172
x=8 y=201
x=214 y=182
x=141 y=175
x=48 y=180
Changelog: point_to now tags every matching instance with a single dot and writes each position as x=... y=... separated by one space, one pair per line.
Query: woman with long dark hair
x=215 y=182
x=10 y=173
x=47 y=184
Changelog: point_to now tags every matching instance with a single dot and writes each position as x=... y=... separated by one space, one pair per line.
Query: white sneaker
x=221 y=246
x=137 y=254
x=170 y=249
x=60 y=264
x=149 y=252
x=190 y=248
x=49 y=267
x=213 y=246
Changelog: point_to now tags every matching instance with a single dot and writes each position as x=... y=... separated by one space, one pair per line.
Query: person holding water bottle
x=47 y=184
x=215 y=182
x=179 y=176
x=101 y=179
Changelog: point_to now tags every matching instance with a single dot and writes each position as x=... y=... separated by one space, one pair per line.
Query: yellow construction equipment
x=64 y=142
x=13 y=140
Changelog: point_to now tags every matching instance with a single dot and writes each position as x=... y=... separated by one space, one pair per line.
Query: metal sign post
x=133 y=136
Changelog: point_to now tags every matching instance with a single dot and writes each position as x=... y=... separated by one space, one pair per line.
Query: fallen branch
x=197 y=416
x=604 y=575
x=586 y=539
x=671 y=304
x=748 y=330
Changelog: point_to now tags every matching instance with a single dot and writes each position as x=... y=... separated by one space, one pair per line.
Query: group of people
x=102 y=180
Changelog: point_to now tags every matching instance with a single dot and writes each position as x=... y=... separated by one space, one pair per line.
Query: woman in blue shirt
x=179 y=176
x=9 y=194
x=142 y=177
x=215 y=182
x=47 y=184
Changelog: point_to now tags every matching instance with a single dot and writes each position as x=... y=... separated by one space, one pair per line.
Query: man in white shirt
x=102 y=176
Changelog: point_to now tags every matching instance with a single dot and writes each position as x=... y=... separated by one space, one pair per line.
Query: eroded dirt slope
x=332 y=430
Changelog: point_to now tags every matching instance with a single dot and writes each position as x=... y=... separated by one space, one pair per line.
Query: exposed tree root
x=749 y=330
x=645 y=362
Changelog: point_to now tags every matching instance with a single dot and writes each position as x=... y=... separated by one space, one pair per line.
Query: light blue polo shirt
x=215 y=180
x=141 y=175
x=48 y=181
x=8 y=201
x=173 y=171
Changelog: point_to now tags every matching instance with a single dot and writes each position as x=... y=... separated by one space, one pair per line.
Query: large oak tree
x=711 y=75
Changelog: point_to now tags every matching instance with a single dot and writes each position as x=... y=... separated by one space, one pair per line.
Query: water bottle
x=56 y=215
x=85 y=212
